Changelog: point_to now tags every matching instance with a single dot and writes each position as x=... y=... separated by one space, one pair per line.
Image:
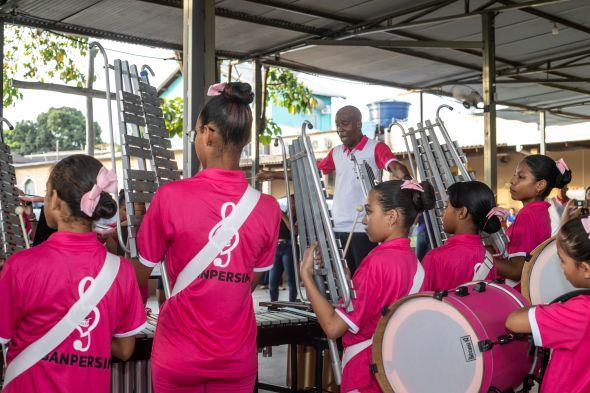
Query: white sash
x=229 y=227
x=74 y=317
x=353 y=350
x=482 y=269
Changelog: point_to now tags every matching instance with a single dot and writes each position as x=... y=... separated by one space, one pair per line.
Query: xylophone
x=275 y=327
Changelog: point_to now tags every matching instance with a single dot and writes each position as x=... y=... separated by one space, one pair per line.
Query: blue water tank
x=384 y=112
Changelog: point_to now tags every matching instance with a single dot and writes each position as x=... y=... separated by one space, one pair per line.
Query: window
x=29 y=187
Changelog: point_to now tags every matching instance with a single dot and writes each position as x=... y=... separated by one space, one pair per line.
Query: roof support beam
x=398 y=43
x=293 y=7
x=490 y=149
x=528 y=80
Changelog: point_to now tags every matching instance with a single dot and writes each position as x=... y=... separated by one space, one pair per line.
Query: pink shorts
x=166 y=381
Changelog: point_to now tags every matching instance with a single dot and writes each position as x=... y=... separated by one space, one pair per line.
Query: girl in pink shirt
x=205 y=340
x=564 y=327
x=531 y=183
x=40 y=285
x=471 y=209
x=388 y=273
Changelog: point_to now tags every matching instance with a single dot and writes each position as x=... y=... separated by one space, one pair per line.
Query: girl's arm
x=518 y=321
x=122 y=347
x=331 y=323
x=511 y=268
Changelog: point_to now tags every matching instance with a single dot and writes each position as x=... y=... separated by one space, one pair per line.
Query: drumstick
x=359 y=210
x=19 y=212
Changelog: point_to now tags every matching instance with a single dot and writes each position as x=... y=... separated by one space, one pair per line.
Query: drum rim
x=527 y=270
x=377 y=357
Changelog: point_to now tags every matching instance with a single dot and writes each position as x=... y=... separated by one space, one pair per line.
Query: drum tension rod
x=487 y=344
x=480 y=287
x=527 y=257
x=384 y=311
x=462 y=291
x=439 y=295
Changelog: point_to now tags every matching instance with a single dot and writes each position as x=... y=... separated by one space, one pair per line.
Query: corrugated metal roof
x=276 y=31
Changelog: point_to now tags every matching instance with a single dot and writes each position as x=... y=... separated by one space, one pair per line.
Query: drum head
x=542 y=277
x=424 y=345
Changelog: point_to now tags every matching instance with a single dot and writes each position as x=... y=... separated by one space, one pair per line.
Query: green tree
x=67 y=124
x=39 y=54
x=173 y=118
x=284 y=89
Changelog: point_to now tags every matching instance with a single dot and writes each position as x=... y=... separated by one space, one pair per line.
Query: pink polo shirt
x=384 y=276
x=209 y=328
x=565 y=328
x=531 y=228
x=41 y=284
x=454 y=263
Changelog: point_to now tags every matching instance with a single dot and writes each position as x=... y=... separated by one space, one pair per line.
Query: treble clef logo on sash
x=89 y=323
x=233 y=235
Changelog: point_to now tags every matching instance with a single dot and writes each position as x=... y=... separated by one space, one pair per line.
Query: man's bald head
x=348 y=125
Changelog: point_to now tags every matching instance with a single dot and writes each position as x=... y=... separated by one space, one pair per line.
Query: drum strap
x=75 y=316
x=353 y=350
x=227 y=228
x=482 y=269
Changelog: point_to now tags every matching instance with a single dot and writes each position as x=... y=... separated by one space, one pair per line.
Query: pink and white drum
x=542 y=279
x=451 y=342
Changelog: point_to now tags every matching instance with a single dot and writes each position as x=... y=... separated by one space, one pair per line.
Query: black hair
x=574 y=239
x=230 y=112
x=410 y=202
x=544 y=168
x=74 y=176
x=479 y=199
x=121 y=197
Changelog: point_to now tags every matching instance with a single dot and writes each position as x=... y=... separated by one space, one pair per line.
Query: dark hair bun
x=492 y=225
x=424 y=200
x=563 y=179
x=239 y=91
x=106 y=207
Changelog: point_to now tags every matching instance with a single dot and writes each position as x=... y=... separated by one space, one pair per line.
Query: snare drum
x=542 y=277
x=452 y=342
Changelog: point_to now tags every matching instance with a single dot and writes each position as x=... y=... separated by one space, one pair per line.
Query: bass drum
x=542 y=279
x=451 y=342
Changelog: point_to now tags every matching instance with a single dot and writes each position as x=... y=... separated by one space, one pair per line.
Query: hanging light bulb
x=555 y=29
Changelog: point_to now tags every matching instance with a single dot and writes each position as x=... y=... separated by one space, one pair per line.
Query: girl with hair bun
x=42 y=289
x=532 y=181
x=471 y=209
x=389 y=272
x=206 y=335
x=564 y=327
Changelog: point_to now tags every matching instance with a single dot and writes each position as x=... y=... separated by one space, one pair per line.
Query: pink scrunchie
x=561 y=165
x=106 y=180
x=411 y=185
x=216 y=89
x=497 y=211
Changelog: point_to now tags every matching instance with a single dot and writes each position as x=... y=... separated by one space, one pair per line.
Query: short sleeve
x=363 y=305
x=8 y=309
x=151 y=239
x=522 y=239
x=266 y=260
x=560 y=325
x=133 y=317
x=327 y=164
x=383 y=156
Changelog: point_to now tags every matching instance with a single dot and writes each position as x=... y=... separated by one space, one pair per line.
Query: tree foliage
x=173 y=117
x=285 y=90
x=67 y=124
x=39 y=54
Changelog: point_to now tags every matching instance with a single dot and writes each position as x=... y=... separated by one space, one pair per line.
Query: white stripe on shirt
x=351 y=325
x=147 y=263
x=535 y=327
x=132 y=332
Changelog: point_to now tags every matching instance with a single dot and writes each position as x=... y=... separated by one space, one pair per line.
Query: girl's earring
x=209 y=143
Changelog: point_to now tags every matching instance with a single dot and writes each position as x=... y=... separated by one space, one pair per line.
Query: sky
x=462 y=123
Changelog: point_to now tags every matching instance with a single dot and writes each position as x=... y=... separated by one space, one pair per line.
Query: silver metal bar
x=397 y=43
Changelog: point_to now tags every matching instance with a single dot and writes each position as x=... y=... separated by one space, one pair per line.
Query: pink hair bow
x=586 y=225
x=411 y=185
x=561 y=166
x=497 y=211
x=216 y=89
x=106 y=180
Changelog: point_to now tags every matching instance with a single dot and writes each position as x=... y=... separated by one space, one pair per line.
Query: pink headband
x=216 y=89
x=497 y=211
x=586 y=225
x=106 y=180
x=411 y=185
x=561 y=166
